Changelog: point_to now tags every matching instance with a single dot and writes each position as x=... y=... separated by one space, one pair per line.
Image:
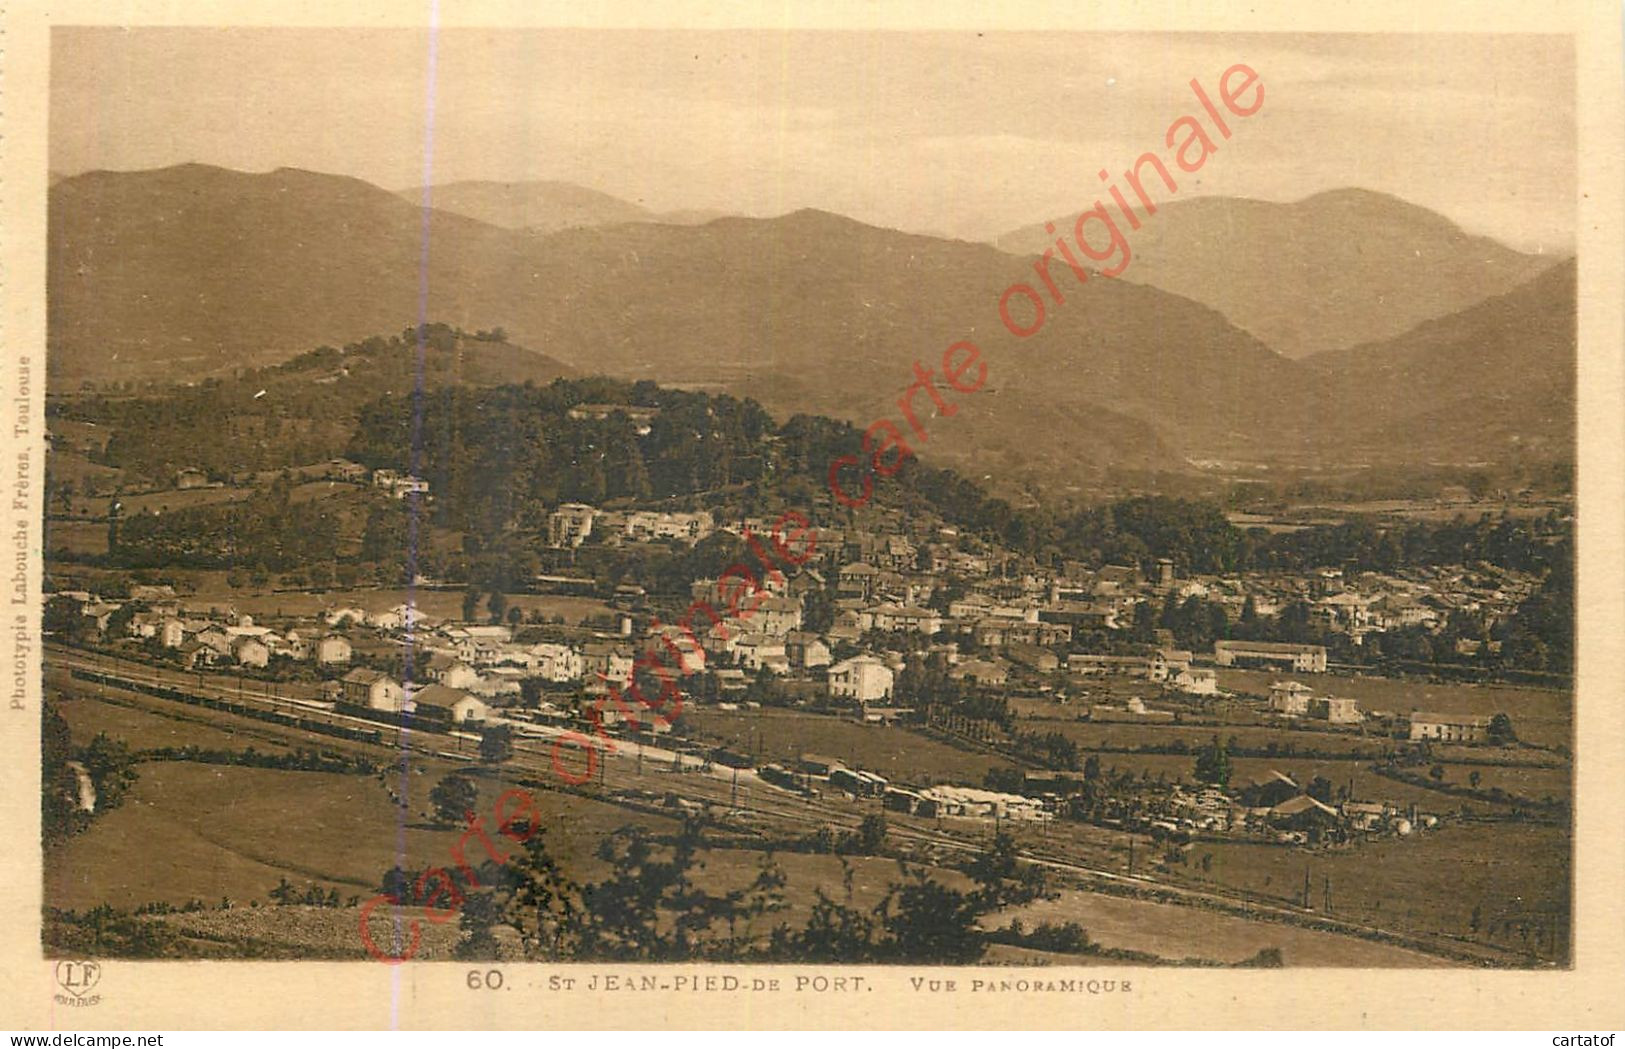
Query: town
x=1189 y=726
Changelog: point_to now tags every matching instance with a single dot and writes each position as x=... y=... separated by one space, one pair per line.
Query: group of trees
x=105 y=764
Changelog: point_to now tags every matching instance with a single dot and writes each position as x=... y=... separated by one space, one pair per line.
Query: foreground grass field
x=207 y=831
x=896 y=753
x=1510 y=880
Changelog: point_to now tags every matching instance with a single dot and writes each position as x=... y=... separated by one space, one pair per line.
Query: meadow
x=1515 y=876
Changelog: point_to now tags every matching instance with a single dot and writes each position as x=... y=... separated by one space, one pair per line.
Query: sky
x=956 y=133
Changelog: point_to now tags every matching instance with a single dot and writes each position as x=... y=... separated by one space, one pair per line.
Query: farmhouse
x=1290 y=697
x=1450 y=728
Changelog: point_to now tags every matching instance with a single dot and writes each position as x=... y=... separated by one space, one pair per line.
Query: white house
x=331 y=650
x=863 y=678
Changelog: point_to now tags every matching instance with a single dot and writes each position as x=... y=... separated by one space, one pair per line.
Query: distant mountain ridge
x=1336 y=269
x=544 y=206
x=193 y=270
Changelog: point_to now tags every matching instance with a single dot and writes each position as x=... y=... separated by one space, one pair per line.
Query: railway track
x=757 y=801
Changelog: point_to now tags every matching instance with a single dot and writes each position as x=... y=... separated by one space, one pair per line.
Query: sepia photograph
x=1051 y=506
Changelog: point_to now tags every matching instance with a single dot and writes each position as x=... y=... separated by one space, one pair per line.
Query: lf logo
x=77 y=978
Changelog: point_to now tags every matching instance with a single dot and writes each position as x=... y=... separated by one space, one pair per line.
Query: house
x=777 y=616
x=904 y=618
x=806 y=651
x=1082 y=615
x=171 y=632
x=216 y=640
x=195 y=654
x=605 y=660
x=557 y=662
x=996 y=631
x=452 y=672
x=1450 y=728
x=1335 y=710
x=1197 y=681
x=250 y=651
x=1306 y=659
x=331 y=650
x=1366 y=815
x=1168 y=663
x=981 y=672
x=1302 y=811
x=339 y=617
x=863 y=678
x=374 y=689
x=191 y=477
x=1091 y=663
x=1290 y=697
x=344 y=470
x=452 y=705
x=570 y=525
x=857 y=580
x=848 y=626
x=1114 y=579
x=755 y=651
x=153 y=595
x=1041 y=660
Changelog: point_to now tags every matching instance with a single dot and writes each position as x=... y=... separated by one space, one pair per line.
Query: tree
x=1001 y=879
x=1320 y=788
x=931 y=924
x=1473 y=779
x=471 y=604
x=496 y=743
x=111 y=768
x=453 y=797
x=497 y=605
x=1213 y=764
x=1501 y=732
x=871 y=837
x=1436 y=773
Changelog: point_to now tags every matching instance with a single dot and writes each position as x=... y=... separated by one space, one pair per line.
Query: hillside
x=1334 y=270
x=808 y=312
x=295 y=413
x=1494 y=381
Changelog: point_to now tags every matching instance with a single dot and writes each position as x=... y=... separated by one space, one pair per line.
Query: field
x=78 y=537
x=1175 y=933
x=896 y=753
x=1543 y=716
x=1364 y=784
x=1510 y=872
x=206 y=831
x=87 y=716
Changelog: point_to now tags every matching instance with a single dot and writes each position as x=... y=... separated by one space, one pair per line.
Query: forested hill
x=298 y=412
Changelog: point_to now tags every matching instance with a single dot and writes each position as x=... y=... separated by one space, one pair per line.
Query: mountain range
x=1338 y=269
x=544 y=206
x=192 y=270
